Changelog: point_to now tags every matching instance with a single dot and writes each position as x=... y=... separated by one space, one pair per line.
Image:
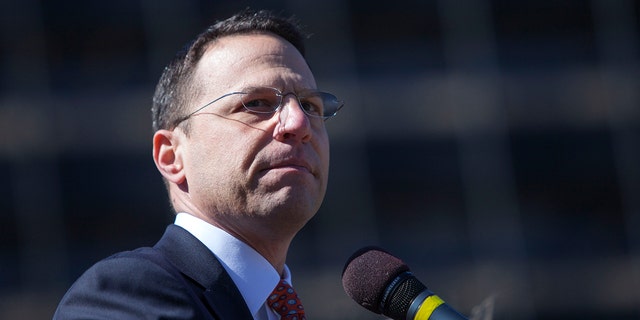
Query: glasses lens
x=331 y=104
x=312 y=103
x=267 y=100
x=320 y=104
x=261 y=100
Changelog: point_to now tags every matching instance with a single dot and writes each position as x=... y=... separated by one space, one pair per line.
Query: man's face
x=254 y=165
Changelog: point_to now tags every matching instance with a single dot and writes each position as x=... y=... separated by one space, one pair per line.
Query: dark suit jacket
x=179 y=278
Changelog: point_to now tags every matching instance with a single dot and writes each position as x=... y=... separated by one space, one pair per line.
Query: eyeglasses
x=265 y=100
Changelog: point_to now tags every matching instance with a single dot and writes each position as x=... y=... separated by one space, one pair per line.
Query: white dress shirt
x=254 y=276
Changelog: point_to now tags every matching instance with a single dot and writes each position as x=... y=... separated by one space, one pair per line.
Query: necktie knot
x=284 y=300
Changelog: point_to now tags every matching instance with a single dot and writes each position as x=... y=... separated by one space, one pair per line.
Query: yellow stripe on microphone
x=427 y=307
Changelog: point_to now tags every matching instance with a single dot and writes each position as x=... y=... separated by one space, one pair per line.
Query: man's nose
x=292 y=121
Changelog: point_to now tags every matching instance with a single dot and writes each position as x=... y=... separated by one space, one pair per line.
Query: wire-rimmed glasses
x=265 y=100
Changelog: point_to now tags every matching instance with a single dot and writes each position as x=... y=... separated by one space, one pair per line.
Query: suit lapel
x=195 y=261
x=224 y=301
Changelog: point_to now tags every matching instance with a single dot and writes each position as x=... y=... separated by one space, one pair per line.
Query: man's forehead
x=251 y=42
x=239 y=55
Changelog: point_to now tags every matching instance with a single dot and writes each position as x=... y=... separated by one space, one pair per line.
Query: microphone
x=382 y=283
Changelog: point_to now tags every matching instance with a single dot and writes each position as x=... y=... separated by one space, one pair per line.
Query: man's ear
x=167 y=156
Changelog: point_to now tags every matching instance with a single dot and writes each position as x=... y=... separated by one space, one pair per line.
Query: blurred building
x=492 y=145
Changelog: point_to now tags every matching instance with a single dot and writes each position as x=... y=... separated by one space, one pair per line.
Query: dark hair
x=175 y=86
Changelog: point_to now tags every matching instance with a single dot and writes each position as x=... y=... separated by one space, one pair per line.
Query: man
x=241 y=144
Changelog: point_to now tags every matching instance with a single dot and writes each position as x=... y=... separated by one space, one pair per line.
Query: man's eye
x=313 y=105
x=258 y=105
x=312 y=108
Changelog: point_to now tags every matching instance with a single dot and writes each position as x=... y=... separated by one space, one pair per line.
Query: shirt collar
x=254 y=276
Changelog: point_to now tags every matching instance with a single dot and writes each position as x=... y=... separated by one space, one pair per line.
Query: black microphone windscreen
x=367 y=274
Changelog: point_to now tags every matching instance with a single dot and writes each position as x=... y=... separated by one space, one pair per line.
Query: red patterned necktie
x=284 y=300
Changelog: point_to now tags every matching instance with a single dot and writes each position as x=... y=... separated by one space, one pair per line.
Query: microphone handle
x=445 y=312
x=428 y=306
